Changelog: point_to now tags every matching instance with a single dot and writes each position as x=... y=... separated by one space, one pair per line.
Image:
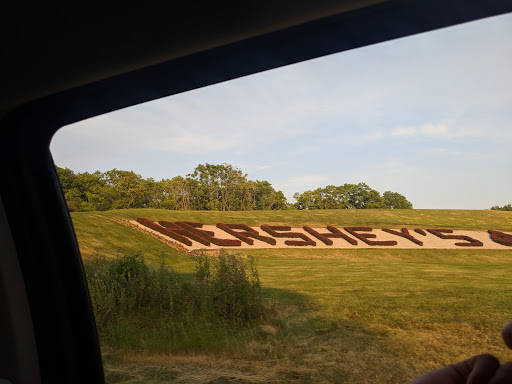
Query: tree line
x=507 y=207
x=210 y=187
x=350 y=196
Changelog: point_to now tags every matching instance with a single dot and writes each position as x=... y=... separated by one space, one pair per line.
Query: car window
x=268 y=228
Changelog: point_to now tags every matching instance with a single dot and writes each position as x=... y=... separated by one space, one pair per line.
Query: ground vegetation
x=359 y=315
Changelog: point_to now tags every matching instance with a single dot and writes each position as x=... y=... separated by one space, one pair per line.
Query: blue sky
x=428 y=116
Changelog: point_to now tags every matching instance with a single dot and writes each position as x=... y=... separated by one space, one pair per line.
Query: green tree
x=218 y=184
x=305 y=200
x=349 y=196
x=178 y=193
x=394 y=200
x=128 y=189
x=210 y=187
x=507 y=207
x=93 y=191
x=152 y=193
x=267 y=198
x=361 y=196
x=74 y=197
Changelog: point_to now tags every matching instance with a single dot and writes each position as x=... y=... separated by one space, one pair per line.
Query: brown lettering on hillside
x=247 y=234
x=272 y=230
x=470 y=241
x=186 y=232
x=208 y=235
x=366 y=236
x=326 y=236
x=404 y=232
x=501 y=238
x=164 y=231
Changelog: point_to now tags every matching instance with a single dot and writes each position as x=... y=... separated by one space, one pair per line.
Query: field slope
x=359 y=315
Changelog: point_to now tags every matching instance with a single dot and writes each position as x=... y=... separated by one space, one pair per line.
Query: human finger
x=503 y=375
x=484 y=369
x=507 y=335
x=475 y=370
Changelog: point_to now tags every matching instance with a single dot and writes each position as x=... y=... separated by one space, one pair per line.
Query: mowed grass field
x=344 y=316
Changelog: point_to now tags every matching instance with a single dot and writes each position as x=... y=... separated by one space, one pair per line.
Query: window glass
x=413 y=133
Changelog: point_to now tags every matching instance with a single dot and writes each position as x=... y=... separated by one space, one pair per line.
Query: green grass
x=359 y=315
x=421 y=218
x=416 y=310
x=98 y=234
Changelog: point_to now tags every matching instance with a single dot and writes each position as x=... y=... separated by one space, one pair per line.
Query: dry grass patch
x=204 y=369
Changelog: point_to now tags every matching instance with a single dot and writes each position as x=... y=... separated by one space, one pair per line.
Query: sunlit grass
x=422 y=218
x=358 y=315
x=393 y=319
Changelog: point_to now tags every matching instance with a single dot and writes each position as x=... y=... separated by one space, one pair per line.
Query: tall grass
x=230 y=287
x=140 y=307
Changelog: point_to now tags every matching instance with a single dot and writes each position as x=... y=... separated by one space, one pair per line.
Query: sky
x=428 y=116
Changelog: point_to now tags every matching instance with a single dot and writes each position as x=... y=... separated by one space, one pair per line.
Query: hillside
x=118 y=238
x=358 y=315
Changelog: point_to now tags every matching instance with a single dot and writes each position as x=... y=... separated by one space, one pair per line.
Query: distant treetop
x=209 y=187
x=350 y=196
x=507 y=207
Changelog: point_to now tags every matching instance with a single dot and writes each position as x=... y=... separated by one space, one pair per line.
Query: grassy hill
x=455 y=219
x=117 y=238
x=358 y=315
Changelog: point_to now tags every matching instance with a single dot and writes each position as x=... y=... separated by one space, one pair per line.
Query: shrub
x=117 y=287
x=207 y=235
x=226 y=289
x=470 y=241
x=229 y=228
x=365 y=236
x=271 y=230
x=247 y=233
x=325 y=237
x=174 y=227
x=231 y=286
x=342 y=235
x=405 y=234
x=164 y=231
x=501 y=238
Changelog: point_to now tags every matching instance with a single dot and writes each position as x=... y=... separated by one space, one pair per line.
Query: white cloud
x=428 y=130
x=444 y=131
x=434 y=150
x=435 y=130
x=440 y=130
x=404 y=131
x=375 y=135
